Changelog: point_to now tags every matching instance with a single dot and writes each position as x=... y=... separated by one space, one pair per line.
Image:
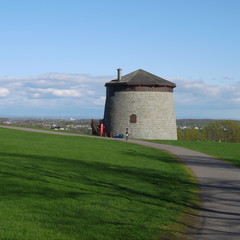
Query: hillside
x=63 y=188
x=194 y=122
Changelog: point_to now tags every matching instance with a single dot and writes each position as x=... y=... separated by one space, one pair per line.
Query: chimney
x=119 y=74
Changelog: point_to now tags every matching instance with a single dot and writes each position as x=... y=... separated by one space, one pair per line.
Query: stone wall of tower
x=154 y=110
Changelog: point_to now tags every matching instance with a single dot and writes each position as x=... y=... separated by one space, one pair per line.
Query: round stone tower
x=142 y=103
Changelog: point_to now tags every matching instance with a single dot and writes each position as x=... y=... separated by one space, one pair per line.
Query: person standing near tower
x=126 y=134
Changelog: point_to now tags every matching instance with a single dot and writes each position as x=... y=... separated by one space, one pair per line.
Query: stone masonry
x=154 y=111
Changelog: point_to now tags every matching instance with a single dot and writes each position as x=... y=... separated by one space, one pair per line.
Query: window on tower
x=133 y=118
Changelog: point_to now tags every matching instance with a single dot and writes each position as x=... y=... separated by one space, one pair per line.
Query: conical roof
x=141 y=77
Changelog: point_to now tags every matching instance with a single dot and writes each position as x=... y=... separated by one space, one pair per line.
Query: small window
x=133 y=118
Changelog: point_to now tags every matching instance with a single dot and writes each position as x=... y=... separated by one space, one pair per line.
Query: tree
x=223 y=130
x=180 y=134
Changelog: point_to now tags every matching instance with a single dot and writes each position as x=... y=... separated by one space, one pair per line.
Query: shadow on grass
x=155 y=191
x=61 y=177
x=222 y=193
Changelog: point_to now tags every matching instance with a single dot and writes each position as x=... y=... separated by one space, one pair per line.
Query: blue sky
x=56 y=55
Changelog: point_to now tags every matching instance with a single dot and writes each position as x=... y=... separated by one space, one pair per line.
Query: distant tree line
x=217 y=131
x=194 y=122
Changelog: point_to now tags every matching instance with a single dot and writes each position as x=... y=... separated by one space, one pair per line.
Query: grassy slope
x=48 y=129
x=59 y=187
x=226 y=151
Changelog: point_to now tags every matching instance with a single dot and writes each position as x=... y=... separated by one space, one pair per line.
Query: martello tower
x=143 y=103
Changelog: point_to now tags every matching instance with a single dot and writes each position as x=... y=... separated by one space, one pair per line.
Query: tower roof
x=141 y=77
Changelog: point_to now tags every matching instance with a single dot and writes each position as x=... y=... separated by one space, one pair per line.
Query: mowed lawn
x=229 y=152
x=67 y=187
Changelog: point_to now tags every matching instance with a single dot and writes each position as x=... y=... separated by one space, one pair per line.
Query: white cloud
x=65 y=93
x=4 y=92
x=90 y=92
x=36 y=95
x=236 y=100
x=201 y=90
x=100 y=101
x=199 y=99
x=57 y=92
x=199 y=86
x=85 y=94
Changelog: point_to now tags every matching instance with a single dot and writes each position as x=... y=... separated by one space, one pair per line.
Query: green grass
x=67 y=187
x=229 y=152
x=48 y=129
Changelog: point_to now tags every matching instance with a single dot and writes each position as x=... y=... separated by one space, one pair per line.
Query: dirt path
x=219 y=189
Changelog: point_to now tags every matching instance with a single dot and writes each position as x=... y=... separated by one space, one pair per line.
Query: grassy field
x=64 y=187
x=229 y=152
x=50 y=130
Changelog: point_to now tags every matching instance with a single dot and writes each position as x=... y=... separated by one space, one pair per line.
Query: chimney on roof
x=119 y=74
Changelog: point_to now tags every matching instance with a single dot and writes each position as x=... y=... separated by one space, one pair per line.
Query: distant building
x=143 y=103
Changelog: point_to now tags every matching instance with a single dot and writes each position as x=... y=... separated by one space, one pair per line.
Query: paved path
x=219 y=188
x=220 y=193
